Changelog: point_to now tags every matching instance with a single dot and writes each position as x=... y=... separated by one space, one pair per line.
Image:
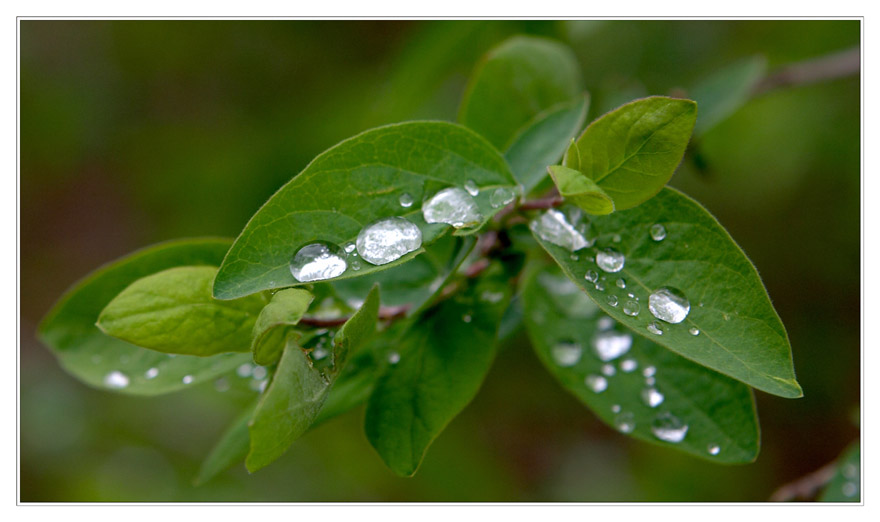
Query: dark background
x=133 y=132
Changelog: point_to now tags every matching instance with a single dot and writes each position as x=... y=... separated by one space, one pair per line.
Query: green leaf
x=725 y=91
x=441 y=362
x=515 y=82
x=230 y=449
x=354 y=184
x=300 y=386
x=718 y=411
x=581 y=190
x=173 y=311
x=95 y=358
x=845 y=485
x=740 y=334
x=632 y=151
x=273 y=324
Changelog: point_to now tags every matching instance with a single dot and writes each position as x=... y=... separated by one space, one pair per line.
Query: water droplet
x=631 y=295
x=625 y=422
x=567 y=353
x=669 y=304
x=849 y=489
x=574 y=257
x=393 y=358
x=501 y=197
x=702 y=305
x=605 y=323
x=245 y=370
x=612 y=300
x=628 y=365
x=466 y=318
x=694 y=331
x=355 y=265
x=591 y=276
x=850 y=471
x=649 y=371
x=655 y=328
x=608 y=370
x=319 y=353
x=631 y=308
x=349 y=248
x=658 y=232
x=610 y=260
x=610 y=345
x=669 y=428
x=452 y=206
x=616 y=238
x=387 y=240
x=116 y=379
x=649 y=381
x=597 y=383
x=318 y=261
x=725 y=316
x=491 y=297
x=471 y=187
x=187 y=379
x=258 y=386
x=652 y=397
x=151 y=373
x=714 y=449
x=621 y=283
x=260 y=373
x=221 y=385
x=405 y=200
x=553 y=227
x=615 y=408
x=600 y=287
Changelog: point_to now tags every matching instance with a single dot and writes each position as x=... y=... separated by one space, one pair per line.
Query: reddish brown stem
x=386 y=313
x=543 y=203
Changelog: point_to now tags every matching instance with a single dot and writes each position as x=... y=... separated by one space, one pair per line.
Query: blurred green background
x=133 y=132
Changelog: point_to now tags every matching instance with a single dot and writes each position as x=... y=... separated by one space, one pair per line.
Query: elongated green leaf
x=722 y=93
x=632 y=151
x=846 y=484
x=173 y=311
x=350 y=186
x=230 y=449
x=581 y=190
x=739 y=332
x=275 y=321
x=300 y=386
x=108 y=363
x=439 y=365
x=645 y=389
x=516 y=81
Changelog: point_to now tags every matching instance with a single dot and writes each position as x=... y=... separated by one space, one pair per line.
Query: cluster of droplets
x=256 y=375
x=850 y=472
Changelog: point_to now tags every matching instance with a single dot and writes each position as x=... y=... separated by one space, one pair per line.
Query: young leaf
x=352 y=185
x=725 y=91
x=845 y=485
x=581 y=190
x=230 y=449
x=273 y=324
x=632 y=151
x=173 y=311
x=439 y=365
x=634 y=385
x=673 y=242
x=300 y=385
x=108 y=363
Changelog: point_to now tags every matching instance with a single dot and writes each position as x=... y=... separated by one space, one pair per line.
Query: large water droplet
x=714 y=449
x=567 y=353
x=669 y=304
x=610 y=345
x=116 y=379
x=387 y=240
x=658 y=232
x=452 y=206
x=652 y=397
x=631 y=308
x=669 y=428
x=597 y=383
x=628 y=365
x=318 y=261
x=405 y=200
x=471 y=187
x=610 y=260
x=152 y=373
x=655 y=328
x=625 y=422
x=502 y=196
x=553 y=227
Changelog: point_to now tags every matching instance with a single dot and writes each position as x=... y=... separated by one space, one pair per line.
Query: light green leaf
x=229 y=450
x=300 y=386
x=273 y=324
x=97 y=359
x=632 y=151
x=441 y=361
x=718 y=412
x=725 y=91
x=515 y=82
x=581 y=190
x=845 y=485
x=740 y=334
x=353 y=184
x=173 y=311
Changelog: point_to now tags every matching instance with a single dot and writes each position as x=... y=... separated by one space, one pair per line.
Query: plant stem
x=828 y=67
x=386 y=313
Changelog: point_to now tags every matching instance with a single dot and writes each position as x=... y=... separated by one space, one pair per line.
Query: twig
x=543 y=203
x=829 y=67
x=805 y=487
x=386 y=313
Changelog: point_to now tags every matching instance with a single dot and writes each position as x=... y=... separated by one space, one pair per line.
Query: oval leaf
x=740 y=334
x=632 y=151
x=350 y=186
x=273 y=324
x=725 y=91
x=581 y=190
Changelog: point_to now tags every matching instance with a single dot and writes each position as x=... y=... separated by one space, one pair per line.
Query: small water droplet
x=260 y=373
x=849 y=489
x=355 y=265
x=714 y=449
x=628 y=365
x=652 y=397
x=245 y=370
x=605 y=323
x=393 y=358
x=151 y=373
x=553 y=227
x=387 y=240
x=625 y=422
x=491 y=297
x=669 y=304
x=405 y=200
x=694 y=331
x=319 y=353
x=610 y=345
x=658 y=232
x=187 y=379
x=631 y=295
x=116 y=379
x=567 y=353
x=850 y=471
x=466 y=318
x=501 y=197
x=597 y=383
x=631 y=308
x=667 y=427
x=612 y=300
x=349 y=248
x=600 y=287
x=655 y=328
x=621 y=283
x=608 y=370
x=725 y=316
x=221 y=385
x=615 y=408
x=452 y=206
x=574 y=257
x=317 y=261
x=702 y=305
x=610 y=260
x=649 y=371
x=591 y=276
x=471 y=187
x=616 y=238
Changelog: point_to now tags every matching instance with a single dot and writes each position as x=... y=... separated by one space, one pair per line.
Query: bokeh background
x=133 y=132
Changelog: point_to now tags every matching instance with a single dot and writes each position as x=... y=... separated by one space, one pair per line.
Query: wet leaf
x=581 y=190
x=275 y=323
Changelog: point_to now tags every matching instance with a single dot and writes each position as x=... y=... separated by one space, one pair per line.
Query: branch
x=805 y=487
x=828 y=67
x=386 y=313
x=543 y=203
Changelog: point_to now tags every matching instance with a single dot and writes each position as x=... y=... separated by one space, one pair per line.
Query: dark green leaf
x=740 y=334
x=350 y=186
x=725 y=91
x=581 y=190
x=95 y=358
x=845 y=485
x=230 y=449
x=173 y=311
x=273 y=324
x=565 y=327
x=439 y=365
x=300 y=385
x=632 y=151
